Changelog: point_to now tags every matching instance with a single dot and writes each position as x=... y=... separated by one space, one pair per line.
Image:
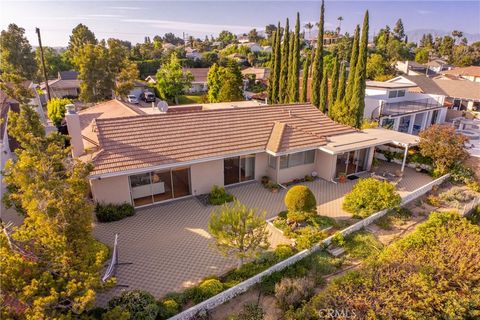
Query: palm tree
x=340 y=19
x=309 y=27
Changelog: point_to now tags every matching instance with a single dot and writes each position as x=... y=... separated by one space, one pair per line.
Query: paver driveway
x=169 y=246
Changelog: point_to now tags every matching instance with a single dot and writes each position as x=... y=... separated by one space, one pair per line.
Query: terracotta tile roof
x=466 y=71
x=199 y=74
x=154 y=140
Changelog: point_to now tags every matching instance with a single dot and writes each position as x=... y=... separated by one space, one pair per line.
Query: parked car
x=148 y=96
x=132 y=99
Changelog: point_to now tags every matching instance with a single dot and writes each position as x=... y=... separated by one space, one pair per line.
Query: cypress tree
x=295 y=63
x=276 y=67
x=334 y=84
x=317 y=69
x=351 y=70
x=283 y=92
x=324 y=92
x=335 y=111
x=290 y=71
x=357 y=102
x=306 y=67
x=273 y=57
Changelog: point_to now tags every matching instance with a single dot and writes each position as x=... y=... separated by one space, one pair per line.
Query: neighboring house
x=459 y=94
x=261 y=74
x=254 y=47
x=199 y=83
x=438 y=65
x=67 y=84
x=328 y=39
x=243 y=39
x=396 y=107
x=192 y=53
x=471 y=73
x=168 y=46
x=240 y=58
x=139 y=87
x=155 y=158
x=267 y=49
x=412 y=68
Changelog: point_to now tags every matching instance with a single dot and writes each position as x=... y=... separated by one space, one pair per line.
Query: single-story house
x=254 y=47
x=413 y=68
x=471 y=73
x=193 y=53
x=67 y=84
x=148 y=159
x=396 y=105
x=439 y=65
x=261 y=74
x=199 y=83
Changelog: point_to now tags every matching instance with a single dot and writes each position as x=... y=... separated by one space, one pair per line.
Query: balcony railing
x=405 y=107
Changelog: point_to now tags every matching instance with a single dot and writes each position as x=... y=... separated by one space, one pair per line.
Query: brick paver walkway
x=169 y=246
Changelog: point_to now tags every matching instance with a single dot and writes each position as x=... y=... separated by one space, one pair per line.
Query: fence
x=242 y=287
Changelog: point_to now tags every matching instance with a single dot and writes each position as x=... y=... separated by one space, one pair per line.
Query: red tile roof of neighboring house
x=473 y=71
x=133 y=143
x=199 y=74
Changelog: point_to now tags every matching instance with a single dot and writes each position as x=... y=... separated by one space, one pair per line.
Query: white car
x=132 y=99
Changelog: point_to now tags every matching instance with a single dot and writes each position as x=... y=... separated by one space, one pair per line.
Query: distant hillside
x=416 y=35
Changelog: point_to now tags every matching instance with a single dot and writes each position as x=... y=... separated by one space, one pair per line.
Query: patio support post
x=404 y=158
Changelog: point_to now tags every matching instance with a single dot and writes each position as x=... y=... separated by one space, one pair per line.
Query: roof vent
x=290 y=113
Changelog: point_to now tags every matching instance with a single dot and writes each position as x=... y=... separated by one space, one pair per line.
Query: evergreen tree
x=283 y=83
x=295 y=64
x=231 y=83
x=277 y=66
x=398 y=30
x=213 y=83
x=324 y=92
x=16 y=55
x=353 y=62
x=290 y=64
x=334 y=84
x=306 y=67
x=317 y=68
x=336 y=109
x=357 y=102
x=271 y=79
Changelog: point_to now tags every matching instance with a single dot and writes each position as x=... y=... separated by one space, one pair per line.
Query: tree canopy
x=172 y=81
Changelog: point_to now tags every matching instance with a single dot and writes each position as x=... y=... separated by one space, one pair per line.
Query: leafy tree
x=443 y=145
x=52 y=263
x=317 y=67
x=54 y=63
x=226 y=38
x=81 y=35
x=239 y=231
x=369 y=196
x=403 y=281
x=172 y=38
x=422 y=55
x=172 y=81
x=231 y=80
x=378 y=68
x=446 y=47
x=426 y=41
x=342 y=49
x=214 y=82
x=306 y=67
x=16 y=55
x=125 y=80
x=56 y=110
x=139 y=304
x=283 y=82
x=269 y=30
x=254 y=36
x=398 y=30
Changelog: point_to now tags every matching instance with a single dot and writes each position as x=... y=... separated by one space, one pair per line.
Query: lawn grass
x=189 y=99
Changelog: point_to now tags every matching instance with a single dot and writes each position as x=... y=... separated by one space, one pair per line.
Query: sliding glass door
x=160 y=185
x=238 y=169
x=352 y=162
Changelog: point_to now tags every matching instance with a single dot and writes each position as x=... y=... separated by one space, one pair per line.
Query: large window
x=156 y=186
x=239 y=169
x=272 y=162
x=396 y=94
x=297 y=159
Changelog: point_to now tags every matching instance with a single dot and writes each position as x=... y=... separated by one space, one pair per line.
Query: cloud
x=424 y=12
x=125 y=8
x=102 y=16
x=191 y=26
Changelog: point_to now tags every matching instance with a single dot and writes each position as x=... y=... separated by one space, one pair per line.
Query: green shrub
x=113 y=212
x=283 y=214
x=168 y=308
x=206 y=289
x=219 y=196
x=299 y=216
x=300 y=199
x=369 y=196
x=292 y=291
x=338 y=239
x=308 y=236
x=140 y=304
x=282 y=252
x=362 y=244
x=117 y=313
x=56 y=110
x=251 y=311
x=433 y=200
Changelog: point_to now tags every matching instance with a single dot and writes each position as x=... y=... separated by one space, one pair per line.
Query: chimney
x=74 y=130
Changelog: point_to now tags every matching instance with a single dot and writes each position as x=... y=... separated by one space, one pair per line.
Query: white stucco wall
x=111 y=190
x=205 y=175
x=297 y=172
x=261 y=165
x=325 y=165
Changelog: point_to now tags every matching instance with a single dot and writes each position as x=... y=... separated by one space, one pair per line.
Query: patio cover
x=368 y=138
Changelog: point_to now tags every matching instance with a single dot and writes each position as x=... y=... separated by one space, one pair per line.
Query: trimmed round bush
x=369 y=196
x=207 y=289
x=300 y=199
x=113 y=212
x=140 y=304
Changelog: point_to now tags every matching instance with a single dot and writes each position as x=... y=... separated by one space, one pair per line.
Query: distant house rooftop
x=388 y=85
x=199 y=74
x=260 y=73
x=473 y=71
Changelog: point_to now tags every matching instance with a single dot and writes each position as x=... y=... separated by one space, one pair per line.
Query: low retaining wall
x=228 y=294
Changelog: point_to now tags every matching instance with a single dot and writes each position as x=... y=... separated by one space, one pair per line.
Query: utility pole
x=43 y=63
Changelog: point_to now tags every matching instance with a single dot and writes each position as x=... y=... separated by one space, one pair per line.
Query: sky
x=133 y=20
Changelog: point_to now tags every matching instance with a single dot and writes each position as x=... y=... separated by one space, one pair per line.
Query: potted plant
x=265 y=180
x=342 y=177
x=418 y=168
